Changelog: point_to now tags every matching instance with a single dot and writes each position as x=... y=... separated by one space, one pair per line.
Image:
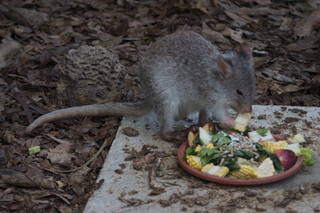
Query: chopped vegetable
x=210 y=146
x=205 y=136
x=298 y=138
x=245 y=172
x=191 y=137
x=295 y=147
x=272 y=146
x=220 y=171
x=232 y=153
x=262 y=131
x=307 y=157
x=208 y=127
x=221 y=138
x=34 y=150
x=286 y=157
x=242 y=121
x=194 y=162
x=190 y=151
x=265 y=169
x=208 y=154
x=262 y=158
x=256 y=137
x=198 y=148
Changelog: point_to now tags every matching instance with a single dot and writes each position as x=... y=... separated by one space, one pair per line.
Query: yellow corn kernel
x=245 y=172
x=194 y=162
x=265 y=169
x=198 y=148
x=242 y=121
x=220 y=171
x=263 y=158
x=273 y=146
x=210 y=146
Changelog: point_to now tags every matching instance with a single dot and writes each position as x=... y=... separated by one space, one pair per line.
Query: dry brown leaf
x=235 y=35
x=37 y=194
x=262 y=11
x=292 y=88
x=268 y=72
x=129 y=131
x=56 y=40
x=97 y=4
x=110 y=43
x=312 y=69
x=87 y=124
x=60 y=154
x=5 y=49
x=264 y=2
x=286 y=24
x=305 y=26
x=314 y=3
x=241 y=21
x=316 y=79
x=212 y=35
x=34 y=180
x=283 y=78
x=257 y=11
x=308 y=42
x=259 y=47
x=259 y=61
x=64 y=208
x=79 y=176
x=24 y=16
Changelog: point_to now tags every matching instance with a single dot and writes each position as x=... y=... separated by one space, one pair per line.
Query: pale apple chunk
x=298 y=138
x=242 y=121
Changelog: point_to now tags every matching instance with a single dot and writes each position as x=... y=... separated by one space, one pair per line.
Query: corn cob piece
x=273 y=146
x=245 y=172
x=242 y=121
x=220 y=171
x=194 y=162
x=265 y=169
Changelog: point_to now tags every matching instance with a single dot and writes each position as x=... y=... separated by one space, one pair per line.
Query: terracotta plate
x=231 y=181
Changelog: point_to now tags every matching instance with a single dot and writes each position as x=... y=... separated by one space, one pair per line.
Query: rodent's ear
x=223 y=67
x=244 y=50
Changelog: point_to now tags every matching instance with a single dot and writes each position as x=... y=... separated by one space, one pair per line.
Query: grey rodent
x=180 y=74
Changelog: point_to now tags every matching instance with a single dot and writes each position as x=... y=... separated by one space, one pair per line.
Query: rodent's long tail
x=108 y=109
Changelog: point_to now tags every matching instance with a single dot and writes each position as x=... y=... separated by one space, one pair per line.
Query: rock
x=89 y=75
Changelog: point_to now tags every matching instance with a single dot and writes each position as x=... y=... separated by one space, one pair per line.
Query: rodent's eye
x=239 y=92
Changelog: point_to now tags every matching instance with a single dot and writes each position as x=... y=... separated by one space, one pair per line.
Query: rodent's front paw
x=227 y=123
x=230 y=122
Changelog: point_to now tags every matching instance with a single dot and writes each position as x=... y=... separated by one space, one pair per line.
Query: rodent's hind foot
x=178 y=135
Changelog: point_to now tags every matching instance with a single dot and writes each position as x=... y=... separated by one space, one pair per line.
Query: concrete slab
x=300 y=119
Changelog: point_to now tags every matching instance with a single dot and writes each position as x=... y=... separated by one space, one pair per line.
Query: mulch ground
x=284 y=36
